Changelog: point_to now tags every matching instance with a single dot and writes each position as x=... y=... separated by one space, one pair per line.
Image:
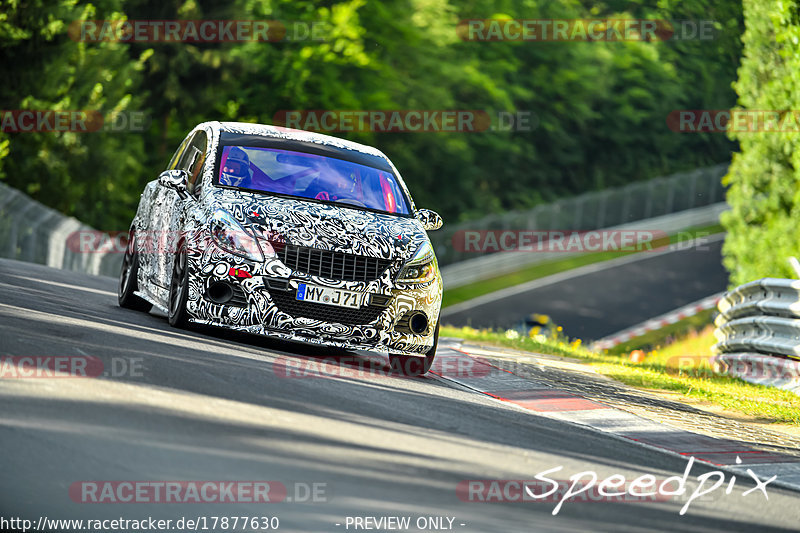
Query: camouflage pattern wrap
x=166 y=218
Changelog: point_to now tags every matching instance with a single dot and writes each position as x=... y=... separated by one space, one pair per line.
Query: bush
x=765 y=174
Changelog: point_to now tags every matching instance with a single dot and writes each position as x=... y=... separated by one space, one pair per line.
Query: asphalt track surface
x=603 y=300
x=206 y=405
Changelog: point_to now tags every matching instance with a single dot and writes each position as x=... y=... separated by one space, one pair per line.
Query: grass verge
x=540 y=270
x=682 y=367
x=669 y=334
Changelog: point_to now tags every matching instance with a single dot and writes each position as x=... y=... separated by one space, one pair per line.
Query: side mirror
x=430 y=219
x=174 y=179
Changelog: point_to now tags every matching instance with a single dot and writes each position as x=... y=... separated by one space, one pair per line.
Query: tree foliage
x=599 y=109
x=764 y=176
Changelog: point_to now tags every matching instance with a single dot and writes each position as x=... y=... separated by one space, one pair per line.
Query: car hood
x=324 y=226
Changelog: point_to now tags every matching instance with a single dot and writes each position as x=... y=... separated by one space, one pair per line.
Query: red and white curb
x=658 y=322
x=572 y=408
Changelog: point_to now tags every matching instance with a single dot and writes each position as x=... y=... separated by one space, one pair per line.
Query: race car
x=289 y=234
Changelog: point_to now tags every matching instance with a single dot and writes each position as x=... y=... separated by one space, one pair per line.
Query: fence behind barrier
x=598 y=209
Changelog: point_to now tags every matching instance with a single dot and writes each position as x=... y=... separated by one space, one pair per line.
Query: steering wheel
x=324 y=195
x=351 y=201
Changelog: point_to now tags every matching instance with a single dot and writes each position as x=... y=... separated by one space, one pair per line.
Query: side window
x=176 y=157
x=193 y=159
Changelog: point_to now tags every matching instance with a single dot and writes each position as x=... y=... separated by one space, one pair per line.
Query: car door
x=148 y=239
x=170 y=206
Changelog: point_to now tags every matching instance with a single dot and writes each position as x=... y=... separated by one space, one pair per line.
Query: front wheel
x=410 y=365
x=179 y=289
x=128 y=282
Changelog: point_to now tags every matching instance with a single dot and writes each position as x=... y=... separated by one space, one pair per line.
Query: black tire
x=128 y=282
x=410 y=365
x=179 y=289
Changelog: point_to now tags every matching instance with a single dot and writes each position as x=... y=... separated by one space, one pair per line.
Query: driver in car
x=338 y=186
x=236 y=169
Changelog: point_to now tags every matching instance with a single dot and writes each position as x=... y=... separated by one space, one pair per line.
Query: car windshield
x=311 y=176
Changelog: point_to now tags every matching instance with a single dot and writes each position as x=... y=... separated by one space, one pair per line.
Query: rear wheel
x=410 y=365
x=128 y=282
x=179 y=289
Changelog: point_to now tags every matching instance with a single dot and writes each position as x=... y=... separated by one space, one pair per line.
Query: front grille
x=286 y=302
x=332 y=265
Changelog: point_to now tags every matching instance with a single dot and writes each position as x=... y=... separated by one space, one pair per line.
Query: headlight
x=232 y=237
x=420 y=268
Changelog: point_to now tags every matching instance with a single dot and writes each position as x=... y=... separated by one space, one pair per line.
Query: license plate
x=329 y=296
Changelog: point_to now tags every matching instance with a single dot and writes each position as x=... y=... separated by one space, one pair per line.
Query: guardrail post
x=671 y=196
x=10 y=195
x=692 y=190
x=13 y=234
x=29 y=252
x=601 y=211
x=648 y=206
x=712 y=190
x=58 y=253
x=626 y=205
x=576 y=222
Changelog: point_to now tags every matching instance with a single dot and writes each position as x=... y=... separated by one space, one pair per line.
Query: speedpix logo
x=587 y=486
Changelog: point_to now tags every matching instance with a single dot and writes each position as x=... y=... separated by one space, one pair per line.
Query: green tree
x=91 y=175
x=598 y=109
x=765 y=173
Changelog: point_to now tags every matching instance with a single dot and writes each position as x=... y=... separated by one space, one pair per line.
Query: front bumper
x=263 y=306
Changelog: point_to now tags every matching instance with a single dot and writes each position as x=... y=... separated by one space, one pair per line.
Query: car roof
x=279 y=132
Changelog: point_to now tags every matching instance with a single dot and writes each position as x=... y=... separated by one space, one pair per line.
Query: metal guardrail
x=758 y=321
x=597 y=209
x=30 y=231
x=33 y=232
x=497 y=264
x=761 y=316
